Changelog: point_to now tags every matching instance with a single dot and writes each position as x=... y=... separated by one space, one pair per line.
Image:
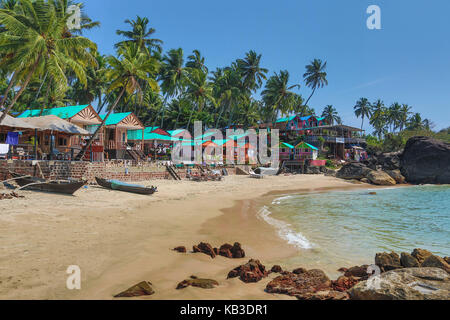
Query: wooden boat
x=125 y=187
x=37 y=184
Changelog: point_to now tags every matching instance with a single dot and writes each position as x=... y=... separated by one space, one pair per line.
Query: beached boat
x=125 y=187
x=37 y=184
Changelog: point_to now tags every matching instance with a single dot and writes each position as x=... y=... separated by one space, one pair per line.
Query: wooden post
x=35 y=145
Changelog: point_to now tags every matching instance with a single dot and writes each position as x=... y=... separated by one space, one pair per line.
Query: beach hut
x=11 y=130
x=304 y=151
x=286 y=151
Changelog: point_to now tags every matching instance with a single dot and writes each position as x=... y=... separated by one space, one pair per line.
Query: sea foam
x=284 y=230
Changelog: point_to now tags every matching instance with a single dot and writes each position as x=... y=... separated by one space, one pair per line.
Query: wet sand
x=119 y=239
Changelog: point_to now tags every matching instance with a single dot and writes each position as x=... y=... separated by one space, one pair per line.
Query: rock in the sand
x=225 y=251
x=324 y=295
x=380 y=178
x=276 y=269
x=253 y=271
x=426 y=160
x=436 y=262
x=397 y=176
x=299 y=271
x=300 y=284
x=344 y=283
x=205 y=248
x=141 y=289
x=388 y=261
x=357 y=271
x=421 y=254
x=408 y=261
x=231 y=251
x=198 y=283
x=180 y=249
x=405 y=284
x=353 y=171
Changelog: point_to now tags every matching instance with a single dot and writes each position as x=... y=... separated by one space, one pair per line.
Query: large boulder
x=231 y=251
x=380 y=178
x=353 y=171
x=421 y=254
x=300 y=285
x=436 y=262
x=408 y=261
x=397 y=176
x=388 y=261
x=389 y=161
x=143 y=288
x=405 y=284
x=426 y=161
x=253 y=271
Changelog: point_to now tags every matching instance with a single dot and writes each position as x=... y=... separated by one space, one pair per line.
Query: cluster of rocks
x=227 y=250
x=365 y=174
x=9 y=196
x=252 y=271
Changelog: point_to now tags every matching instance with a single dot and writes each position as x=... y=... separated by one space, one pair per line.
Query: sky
x=407 y=61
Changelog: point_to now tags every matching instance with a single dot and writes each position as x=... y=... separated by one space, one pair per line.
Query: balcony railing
x=330 y=139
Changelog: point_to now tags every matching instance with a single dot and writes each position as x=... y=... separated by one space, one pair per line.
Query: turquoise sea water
x=336 y=229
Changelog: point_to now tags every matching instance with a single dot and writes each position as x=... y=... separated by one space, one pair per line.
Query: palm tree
x=331 y=115
x=415 y=122
x=35 y=40
x=140 y=34
x=251 y=71
x=197 y=61
x=405 y=112
x=131 y=68
x=315 y=76
x=363 y=109
x=378 y=120
x=395 y=115
x=277 y=93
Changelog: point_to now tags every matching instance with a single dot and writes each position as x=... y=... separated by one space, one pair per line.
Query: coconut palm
x=197 y=61
x=395 y=116
x=35 y=41
x=405 y=112
x=251 y=71
x=131 y=68
x=363 y=109
x=278 y=93
x=331 y=115
x=315 y=76
x=378 y=120
x=141 y=34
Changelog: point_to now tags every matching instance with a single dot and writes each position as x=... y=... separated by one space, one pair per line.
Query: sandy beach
x=120 y=239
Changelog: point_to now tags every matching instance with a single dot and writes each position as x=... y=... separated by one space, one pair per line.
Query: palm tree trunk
x=22 y=89
x=94 y=136
x=314 y=90
x=10 y=85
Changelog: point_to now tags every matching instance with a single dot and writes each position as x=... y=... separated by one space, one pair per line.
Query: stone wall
x=120 y=170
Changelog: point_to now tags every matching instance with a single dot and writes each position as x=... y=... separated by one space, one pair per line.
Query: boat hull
x=62 y=187
x=124 y=188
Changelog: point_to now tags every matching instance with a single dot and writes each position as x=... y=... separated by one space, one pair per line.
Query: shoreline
x=121 y=239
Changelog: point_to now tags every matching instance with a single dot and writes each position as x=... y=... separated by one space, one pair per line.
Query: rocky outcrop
x=397 y=176
x=344 y=283
x=421 y=255
x=357 y=271
x=198 y=283
x=408 y=261
x=436 y=262
x=426 y=161
x=380 y=178
x=141 y=289
x=405 y=284
x=253 y=271
x=276 y=269
x=388 y=261
x=205 y=248
x=300 y=285
x=353 y=171
x=231 y=251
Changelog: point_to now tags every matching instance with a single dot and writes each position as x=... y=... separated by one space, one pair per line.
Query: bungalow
x=305 y=151
x=116 y=136
x=286 y=150
x=85 y=117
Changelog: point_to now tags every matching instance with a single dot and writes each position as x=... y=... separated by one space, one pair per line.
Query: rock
x=372 y=193
x=237 y=251
x=435 y=262
x=205 y=248
x=408 y=261
x=198 y=283
x=299 y=271
x=325 y=295
x=180 y=249
x=389 y=161
x=421 y=255
x=253 y=271
x=352 y=171
x=344 y=283
x=405 y=284
x=343 y=270
x=141 y=289
x=300 y=285
x=358 y=271
x=380 y=178
x=426 y=161
x=388 y=261
x=365 y=180
x=447 y=259
x=312 y=170
x=225 y=251
x=330 y=172
x=397 y=176
x=276 y=269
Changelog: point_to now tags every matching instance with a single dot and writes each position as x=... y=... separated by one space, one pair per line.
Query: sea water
x=343 y=229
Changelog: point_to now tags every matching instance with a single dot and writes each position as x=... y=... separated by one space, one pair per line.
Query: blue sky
x=408 y=61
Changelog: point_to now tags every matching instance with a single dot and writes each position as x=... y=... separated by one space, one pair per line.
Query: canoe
x=125 y=187
x=37 y=184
